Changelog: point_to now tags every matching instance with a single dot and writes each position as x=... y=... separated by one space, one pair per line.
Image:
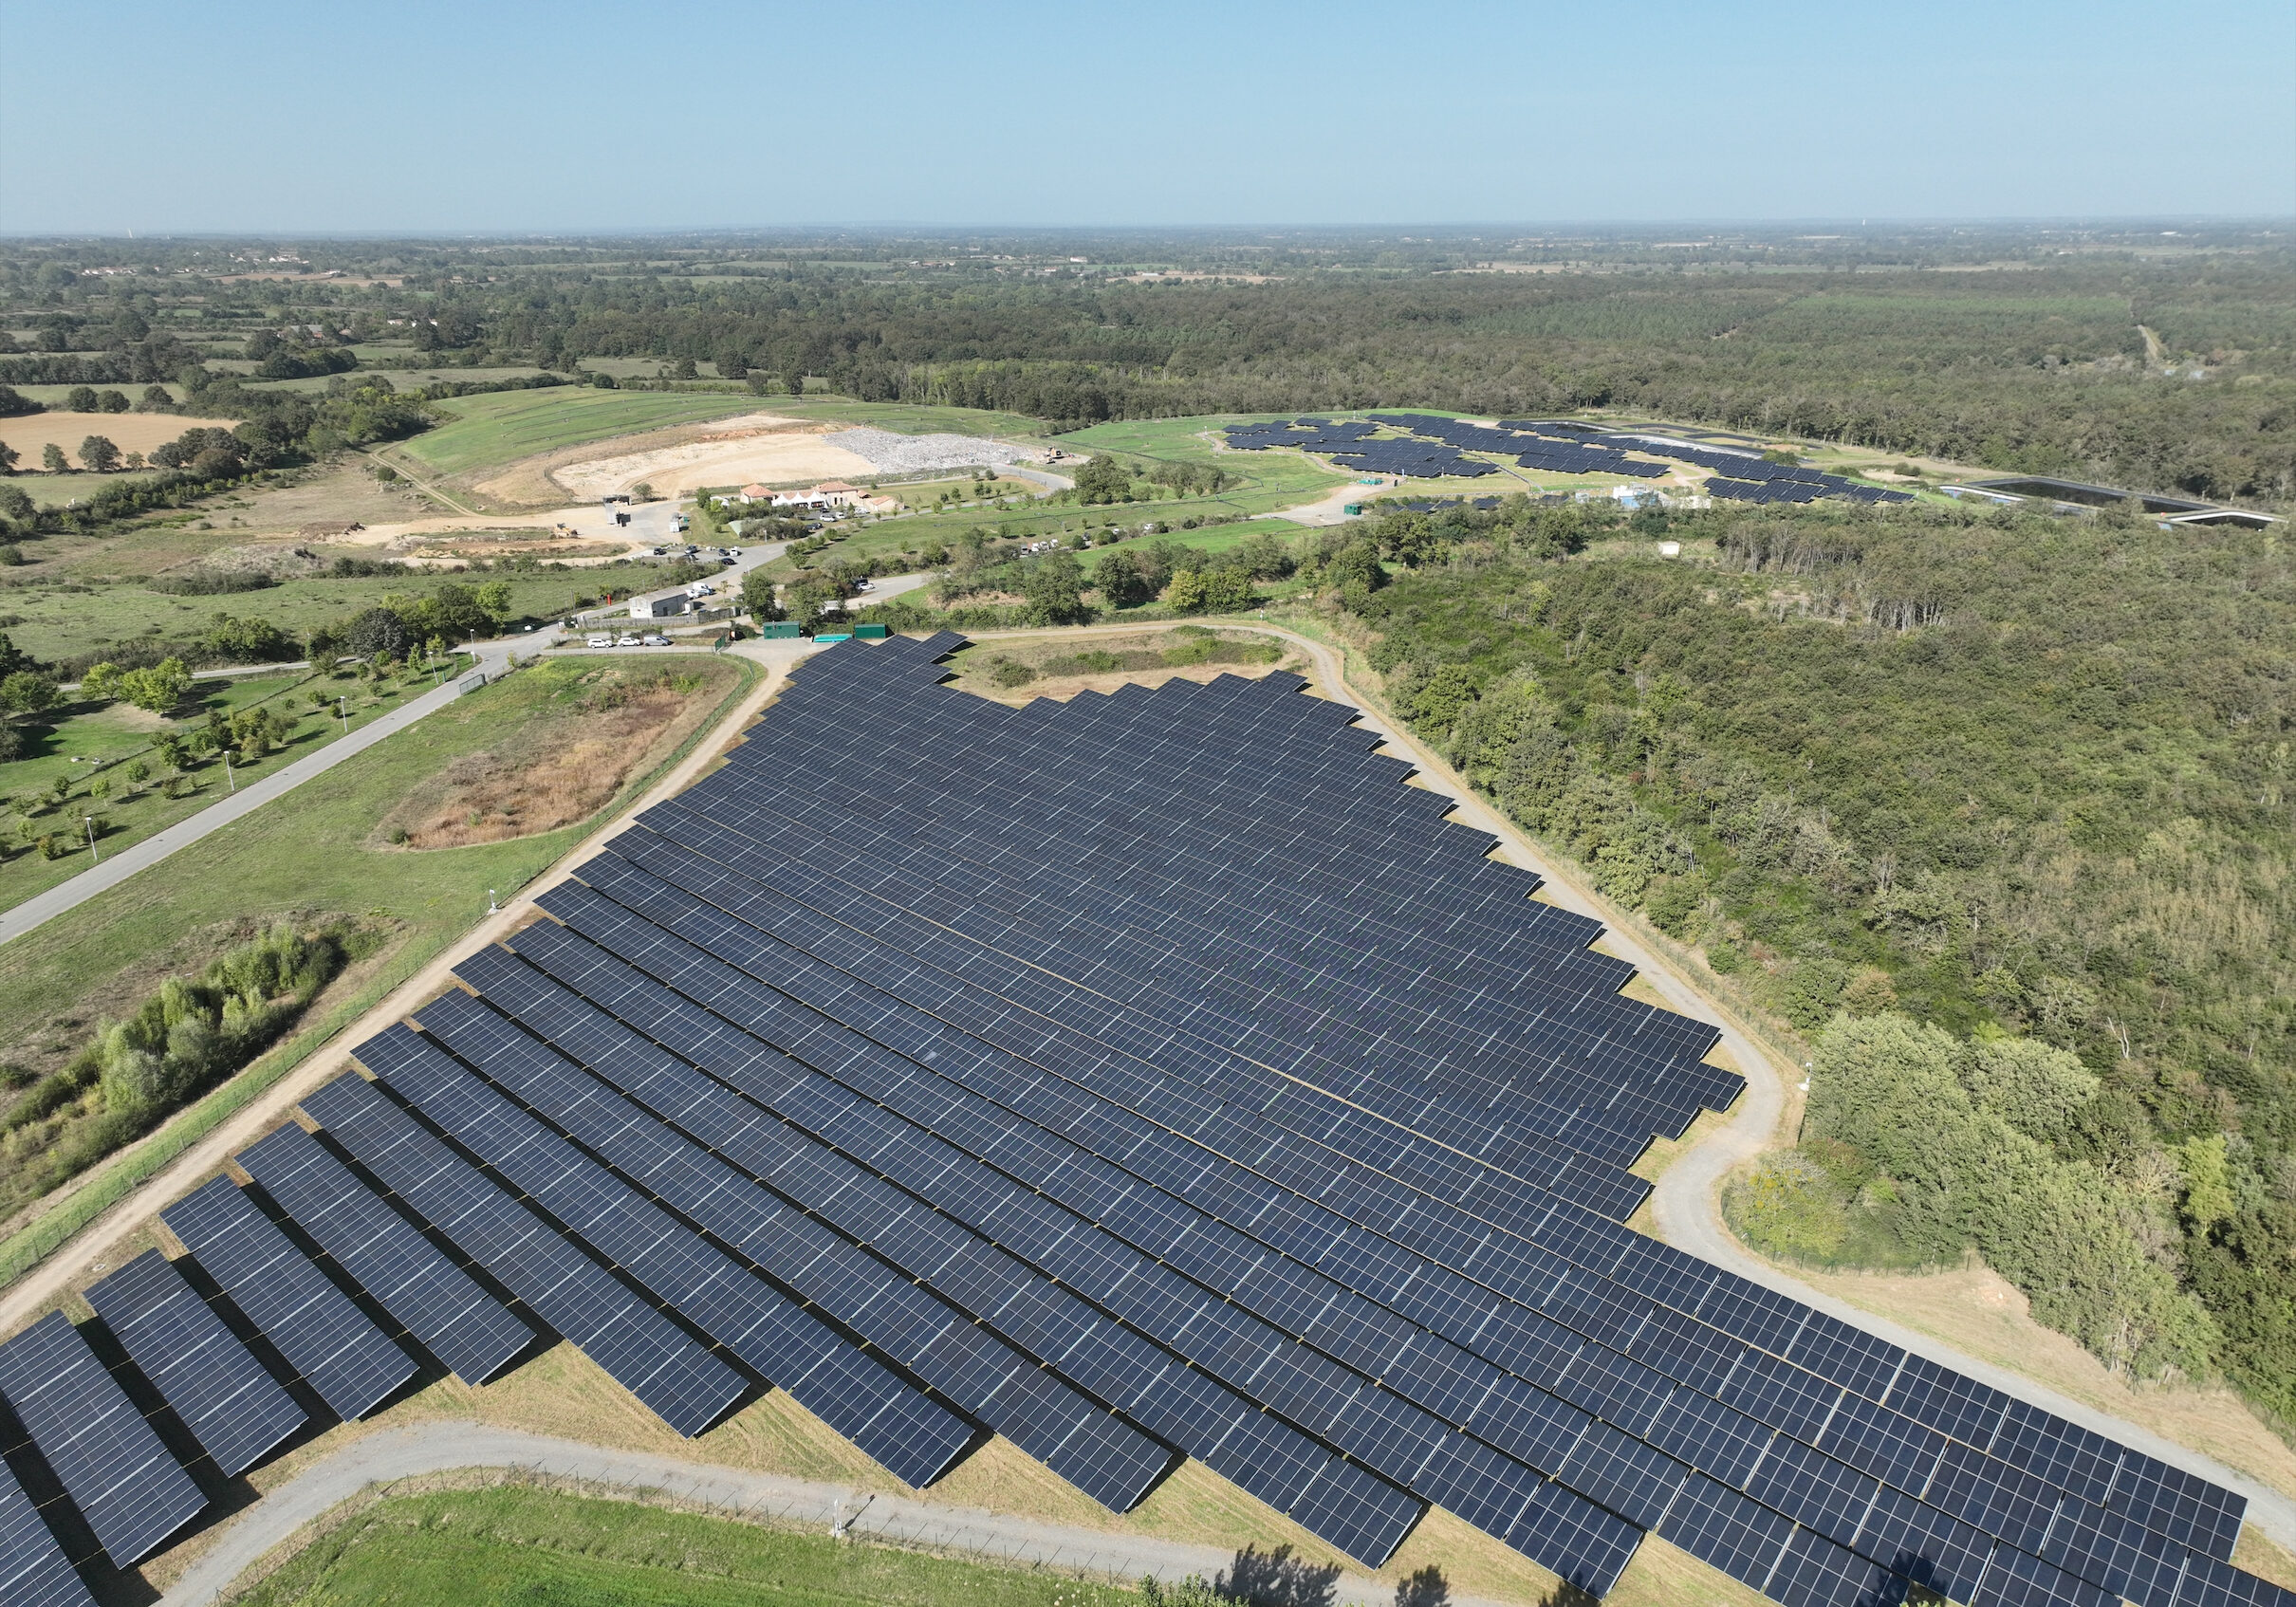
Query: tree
x=1185 y=591
x=28 y=692
x=100 y=683
x=13 y=658
x=1124 y=579
x=53 y=460
x=112 y=401
x=155 y=399
x=793 y=380
x=1226 y=590
x=757 y=596
x=158 y=688
x=1053 y=586
x=8 y=458
x=494 y=598
x=1103 y=480
x=79 y=398
x=99 y=454
x=374 y=632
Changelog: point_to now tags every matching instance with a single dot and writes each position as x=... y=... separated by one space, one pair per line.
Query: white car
x=626 y=641
x=601 y=642
x=658 y=639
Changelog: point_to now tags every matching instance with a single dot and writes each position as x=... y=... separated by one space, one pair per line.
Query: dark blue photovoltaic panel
x=323 y=1335
x=682 y=1382
x=913 y=1437
x=234 y=1409
x=458 y=1321
x=1727 y=1530
x=33 y=1569
x=130 y=1490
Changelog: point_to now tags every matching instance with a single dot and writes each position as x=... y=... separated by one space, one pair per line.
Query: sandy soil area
x=764 y=456
x=129 y=431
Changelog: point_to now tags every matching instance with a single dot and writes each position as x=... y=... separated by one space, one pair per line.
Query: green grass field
x=315 y=850
x=477 y=1549
x=117 y=734
x=509 y=425
x=53 y=622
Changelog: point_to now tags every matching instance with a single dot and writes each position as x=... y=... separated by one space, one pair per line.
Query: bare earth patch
x=568 y=770
x=595 y=468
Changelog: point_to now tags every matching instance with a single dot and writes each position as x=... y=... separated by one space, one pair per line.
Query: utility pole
x=94 y=857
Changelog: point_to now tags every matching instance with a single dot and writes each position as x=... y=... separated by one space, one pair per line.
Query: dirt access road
x=1686 y=1204
x=95 y=1243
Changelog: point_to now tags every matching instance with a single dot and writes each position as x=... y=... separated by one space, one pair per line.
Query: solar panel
x=474 y=1333
x=314 y=1325
x=33 y=1569
x=678 y=1379
x=234 y=1409
x=131 y=1491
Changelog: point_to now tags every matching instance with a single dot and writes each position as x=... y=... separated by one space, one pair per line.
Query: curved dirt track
x=905 y=1521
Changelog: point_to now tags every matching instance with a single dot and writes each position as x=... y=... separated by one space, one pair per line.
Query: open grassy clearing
x=323 y=848
x=62 y=491
x=56 y=621
x=56 y=395
x=117 y=736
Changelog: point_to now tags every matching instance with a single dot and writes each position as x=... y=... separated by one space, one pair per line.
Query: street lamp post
x=94 y=857
x=343 y=711
x=229 y=783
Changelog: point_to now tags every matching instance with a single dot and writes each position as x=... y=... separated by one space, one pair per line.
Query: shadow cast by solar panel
x=544 y=1334
x=319 y=1418
x=428 y=1369
x=112 y=1586
x=173 y=1432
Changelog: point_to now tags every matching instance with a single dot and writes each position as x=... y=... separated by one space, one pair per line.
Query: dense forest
x=2118 y=358
x=1999 y=773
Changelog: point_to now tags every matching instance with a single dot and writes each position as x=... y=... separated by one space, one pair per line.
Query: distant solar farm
x=1426 y=446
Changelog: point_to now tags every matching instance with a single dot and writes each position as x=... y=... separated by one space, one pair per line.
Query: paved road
x=1686 y=1204
x=251 y=795
x=86 y=1250
x=894 y=1520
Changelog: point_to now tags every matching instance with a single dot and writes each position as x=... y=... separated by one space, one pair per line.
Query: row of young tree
x=2000 y=773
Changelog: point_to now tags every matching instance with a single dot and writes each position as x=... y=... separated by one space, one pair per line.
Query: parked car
x=601 y=642
x=626 y=639
x=658 y=639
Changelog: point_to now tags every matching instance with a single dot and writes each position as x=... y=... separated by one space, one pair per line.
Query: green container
x=779 y=630
x=1352 y=509
x=869 y=633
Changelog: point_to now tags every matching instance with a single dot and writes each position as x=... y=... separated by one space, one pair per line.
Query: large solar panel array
x=1141 y=1076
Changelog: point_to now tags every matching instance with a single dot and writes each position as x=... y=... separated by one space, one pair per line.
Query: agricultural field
x=503 y=781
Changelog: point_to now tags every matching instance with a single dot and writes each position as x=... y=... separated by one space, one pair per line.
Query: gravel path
x=1686 y=1202
x=894 y=1520
x=889 y=453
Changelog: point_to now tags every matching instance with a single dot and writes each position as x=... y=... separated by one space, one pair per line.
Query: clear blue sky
x=510 y=115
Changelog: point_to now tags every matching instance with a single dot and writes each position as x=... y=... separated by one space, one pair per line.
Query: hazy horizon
x=700 y=116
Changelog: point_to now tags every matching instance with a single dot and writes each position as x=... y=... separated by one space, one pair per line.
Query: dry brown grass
x=129 y=431
x=571 y=769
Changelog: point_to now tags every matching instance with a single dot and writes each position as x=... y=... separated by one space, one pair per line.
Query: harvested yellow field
x=129 y=431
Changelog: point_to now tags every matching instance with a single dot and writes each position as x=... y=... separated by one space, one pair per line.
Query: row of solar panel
x=1604 y=996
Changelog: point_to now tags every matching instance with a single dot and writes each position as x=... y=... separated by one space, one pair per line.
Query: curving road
x=891 y=1520
x=1687 y=1201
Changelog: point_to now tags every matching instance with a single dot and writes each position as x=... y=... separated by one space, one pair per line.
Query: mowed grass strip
x=489 y=429
x=474 y=1549
x=317 y=849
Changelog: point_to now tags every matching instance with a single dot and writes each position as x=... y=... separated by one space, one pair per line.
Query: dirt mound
x=595 y=468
